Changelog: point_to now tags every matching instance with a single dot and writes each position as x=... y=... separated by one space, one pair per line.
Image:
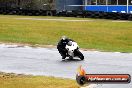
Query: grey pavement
x=47 y=61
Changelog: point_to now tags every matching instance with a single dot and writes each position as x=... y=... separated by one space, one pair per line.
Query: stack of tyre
x=96 y=14
x=18 y=11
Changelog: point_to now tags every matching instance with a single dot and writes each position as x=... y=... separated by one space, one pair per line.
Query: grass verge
x=99 y=34
x=11 y=80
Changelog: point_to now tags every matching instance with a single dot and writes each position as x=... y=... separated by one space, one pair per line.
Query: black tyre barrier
x=124 y=16
x=69 y=14
x=62 y=13
x=88 y=14
x=130 y=17
x=18 y=11
x=100 y=15
x=96 y=14
x=1 y=11
x=49 y=13
x=114 y=16
x=74 y=13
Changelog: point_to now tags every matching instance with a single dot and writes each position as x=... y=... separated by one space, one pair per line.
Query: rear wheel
x=70 y=57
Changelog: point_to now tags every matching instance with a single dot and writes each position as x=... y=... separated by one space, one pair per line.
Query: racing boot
x=63 y=56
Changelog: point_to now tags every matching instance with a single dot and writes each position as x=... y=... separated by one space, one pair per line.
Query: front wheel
x=80 y=55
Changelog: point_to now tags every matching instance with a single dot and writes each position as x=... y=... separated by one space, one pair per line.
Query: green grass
x=99 y=34
x=8 y=80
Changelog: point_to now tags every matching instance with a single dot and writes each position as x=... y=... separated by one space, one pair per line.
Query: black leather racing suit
x=61 y=47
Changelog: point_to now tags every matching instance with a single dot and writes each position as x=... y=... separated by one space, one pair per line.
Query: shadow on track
x=71 y=60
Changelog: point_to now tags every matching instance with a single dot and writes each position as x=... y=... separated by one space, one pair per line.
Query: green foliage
x=29 y=4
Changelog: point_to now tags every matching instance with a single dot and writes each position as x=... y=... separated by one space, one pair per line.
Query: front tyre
x=80 y=55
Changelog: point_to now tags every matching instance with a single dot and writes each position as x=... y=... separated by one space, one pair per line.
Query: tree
x=49 y=4
x=7 y=3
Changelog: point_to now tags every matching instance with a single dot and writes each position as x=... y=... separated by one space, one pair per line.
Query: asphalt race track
x=47 y=61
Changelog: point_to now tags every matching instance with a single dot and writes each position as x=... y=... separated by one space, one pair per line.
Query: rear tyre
x=70 y=57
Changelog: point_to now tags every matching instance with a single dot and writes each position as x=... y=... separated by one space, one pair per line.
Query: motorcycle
x=73 y=50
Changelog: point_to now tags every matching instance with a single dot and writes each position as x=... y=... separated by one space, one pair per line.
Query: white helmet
x=63 y=37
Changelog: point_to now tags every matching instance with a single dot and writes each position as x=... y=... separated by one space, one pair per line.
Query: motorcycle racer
x=62 y=44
